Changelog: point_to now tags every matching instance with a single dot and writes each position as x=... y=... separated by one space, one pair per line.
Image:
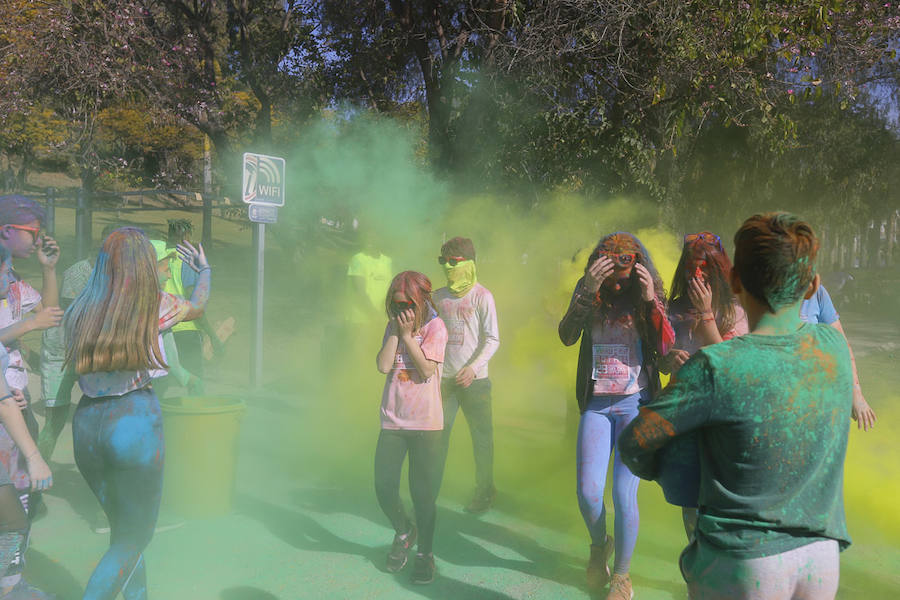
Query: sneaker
x=598 y=565
x=620 y=588
x=23 y=591
x=482 y=501
x=423 y=568
x=399 y=554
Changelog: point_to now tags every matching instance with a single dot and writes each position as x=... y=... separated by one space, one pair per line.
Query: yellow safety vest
x=175 y=286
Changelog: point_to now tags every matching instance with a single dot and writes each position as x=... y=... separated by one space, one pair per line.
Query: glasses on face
x=622 y=259
x=705 y=236
x=450 y=260
x=398 y=307
x=34 y=231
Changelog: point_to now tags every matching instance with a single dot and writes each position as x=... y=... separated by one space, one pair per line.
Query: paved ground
x=305 y=523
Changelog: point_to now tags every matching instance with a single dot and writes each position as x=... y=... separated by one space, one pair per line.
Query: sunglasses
x=399 y=307
x=34 y=231
x=623 y=259
x=705 y=236
x=451 y=260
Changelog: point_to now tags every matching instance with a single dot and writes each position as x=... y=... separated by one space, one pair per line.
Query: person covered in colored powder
x=411 y=356
x=177 y=374
x=768 y=412
x=189 y=335
x=113 y=336
x=819 y=308
x=618 y=312
x=21 y=219
x=703 y=311
x=468 y=311
x=22 y=468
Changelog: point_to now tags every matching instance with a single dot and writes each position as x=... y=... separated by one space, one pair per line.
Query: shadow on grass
x=50 y=576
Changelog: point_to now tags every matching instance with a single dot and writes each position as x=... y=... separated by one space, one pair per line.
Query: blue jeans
x=119 y=450
x=605 y=418
x=475 y=402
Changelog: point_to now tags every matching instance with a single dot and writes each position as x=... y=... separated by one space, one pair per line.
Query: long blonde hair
x=113 y=324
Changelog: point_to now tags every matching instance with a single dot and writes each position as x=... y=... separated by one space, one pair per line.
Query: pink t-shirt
x=409 y=401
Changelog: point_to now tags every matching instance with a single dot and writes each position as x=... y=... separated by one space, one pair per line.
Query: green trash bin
x=201 y=454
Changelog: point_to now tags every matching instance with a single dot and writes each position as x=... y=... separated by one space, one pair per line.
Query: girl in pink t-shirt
x=703 y=311
x=412 y=419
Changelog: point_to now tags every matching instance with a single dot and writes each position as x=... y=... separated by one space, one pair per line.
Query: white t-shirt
x=172 y=310
x=21 y=300
x=617 y=362
x=472 y=333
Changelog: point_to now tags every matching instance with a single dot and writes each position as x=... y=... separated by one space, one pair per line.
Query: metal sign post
x=263 y=190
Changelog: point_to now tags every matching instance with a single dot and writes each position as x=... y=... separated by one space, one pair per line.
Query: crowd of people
x=748 y=437
x=121 y=305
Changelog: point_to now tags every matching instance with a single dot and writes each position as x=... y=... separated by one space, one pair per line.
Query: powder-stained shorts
x=12 y=468
x=810 y=571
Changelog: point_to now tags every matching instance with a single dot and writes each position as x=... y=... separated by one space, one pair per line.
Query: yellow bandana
x=460 y=278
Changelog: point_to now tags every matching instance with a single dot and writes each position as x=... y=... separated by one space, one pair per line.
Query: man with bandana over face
x=467 y=308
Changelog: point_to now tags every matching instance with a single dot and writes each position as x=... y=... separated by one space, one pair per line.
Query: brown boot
x=620 y=588
x=598 y=565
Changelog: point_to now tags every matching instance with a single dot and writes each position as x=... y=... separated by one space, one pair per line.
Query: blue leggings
x=119 y=450
x=600 y=426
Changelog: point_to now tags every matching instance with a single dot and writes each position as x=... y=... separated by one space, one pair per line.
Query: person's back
x=765 y=414
x=774 y=440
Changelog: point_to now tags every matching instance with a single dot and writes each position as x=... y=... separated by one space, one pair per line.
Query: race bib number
x=456 y=332
x=611 y=362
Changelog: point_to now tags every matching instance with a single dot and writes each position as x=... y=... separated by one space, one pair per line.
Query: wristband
x=206 y=268
x=7 y=396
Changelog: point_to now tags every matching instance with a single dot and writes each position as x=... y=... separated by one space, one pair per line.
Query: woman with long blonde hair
x=113 y=330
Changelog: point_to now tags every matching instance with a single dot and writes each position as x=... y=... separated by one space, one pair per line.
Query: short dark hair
x=18 y=210
x=774 y=256
x=459 y=246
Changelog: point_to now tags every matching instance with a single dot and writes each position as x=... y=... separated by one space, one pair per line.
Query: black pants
x=475 y=402
x=424 y=448
x=190 y=350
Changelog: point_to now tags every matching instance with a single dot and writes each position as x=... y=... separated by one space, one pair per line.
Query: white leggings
x=809 y=572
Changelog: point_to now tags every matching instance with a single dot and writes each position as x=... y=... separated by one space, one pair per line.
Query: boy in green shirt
x=766 y=414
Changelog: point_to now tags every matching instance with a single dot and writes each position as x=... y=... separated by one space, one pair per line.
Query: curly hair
x=605 y=297
x=774 y=257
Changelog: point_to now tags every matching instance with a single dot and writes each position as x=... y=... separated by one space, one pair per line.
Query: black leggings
x=120 y=452
x=424 y=449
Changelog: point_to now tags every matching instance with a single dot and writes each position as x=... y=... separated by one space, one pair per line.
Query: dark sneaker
x=598 y=565
x=23 y=591
x=482 y=501
x=399 y=554
x=423 y=568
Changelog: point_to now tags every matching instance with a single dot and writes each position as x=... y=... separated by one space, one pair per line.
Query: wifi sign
x=263 y=179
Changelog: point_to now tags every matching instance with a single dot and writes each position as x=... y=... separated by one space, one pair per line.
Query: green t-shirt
x=770 y=416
